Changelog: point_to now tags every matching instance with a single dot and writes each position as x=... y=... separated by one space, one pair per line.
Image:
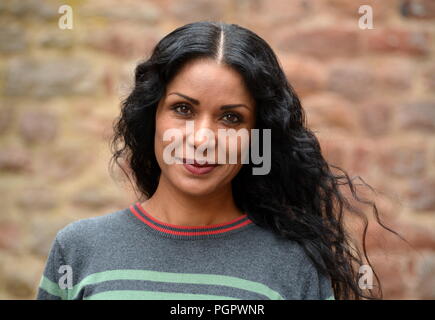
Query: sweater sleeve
x=54 y=283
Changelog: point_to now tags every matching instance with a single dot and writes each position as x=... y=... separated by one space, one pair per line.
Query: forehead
x=204 y=79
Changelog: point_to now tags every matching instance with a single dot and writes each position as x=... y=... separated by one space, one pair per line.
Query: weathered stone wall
x=368 y=93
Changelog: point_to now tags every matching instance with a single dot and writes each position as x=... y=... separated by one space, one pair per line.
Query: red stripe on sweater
x=186 y=233
x=186 y=227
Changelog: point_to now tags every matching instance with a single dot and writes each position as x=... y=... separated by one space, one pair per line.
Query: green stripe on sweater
x=53 y=288
x=152 y=295
x=192 y=278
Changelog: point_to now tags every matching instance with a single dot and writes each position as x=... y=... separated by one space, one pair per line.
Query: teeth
x=201 y=165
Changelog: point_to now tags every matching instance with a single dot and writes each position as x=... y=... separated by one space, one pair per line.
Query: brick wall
x=368 y=94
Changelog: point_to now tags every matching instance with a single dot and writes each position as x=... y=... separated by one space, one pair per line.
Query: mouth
x=196 y=168
x=196 y=163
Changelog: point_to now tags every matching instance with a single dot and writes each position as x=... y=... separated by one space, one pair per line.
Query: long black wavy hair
x=300 y=199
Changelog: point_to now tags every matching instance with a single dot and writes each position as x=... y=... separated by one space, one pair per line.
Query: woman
x=209 y=229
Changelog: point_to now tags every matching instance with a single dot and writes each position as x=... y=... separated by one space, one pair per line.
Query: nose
x=201 y=132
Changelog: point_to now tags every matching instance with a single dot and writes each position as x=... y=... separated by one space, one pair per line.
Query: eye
x=182 y=109
x=232 y=118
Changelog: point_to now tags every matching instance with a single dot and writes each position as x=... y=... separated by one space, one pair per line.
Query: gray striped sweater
x=128 y=254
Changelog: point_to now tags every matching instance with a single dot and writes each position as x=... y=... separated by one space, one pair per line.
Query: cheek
x=163 y=123
x=229 y=171
x=235 y=147
x=158 y=142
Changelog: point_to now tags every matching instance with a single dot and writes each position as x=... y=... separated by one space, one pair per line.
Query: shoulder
x=292 y=266
x=277 y=248
x=86 y=231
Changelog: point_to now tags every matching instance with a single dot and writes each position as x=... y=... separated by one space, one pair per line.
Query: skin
x=182 y=198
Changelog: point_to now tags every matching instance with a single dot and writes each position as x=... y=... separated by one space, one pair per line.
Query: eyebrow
x=196 y=102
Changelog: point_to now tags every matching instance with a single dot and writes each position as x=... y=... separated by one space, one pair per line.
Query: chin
x=195 y=187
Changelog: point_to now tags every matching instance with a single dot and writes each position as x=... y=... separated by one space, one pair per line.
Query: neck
x=168 y=204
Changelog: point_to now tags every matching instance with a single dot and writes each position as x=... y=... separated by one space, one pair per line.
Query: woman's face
x=212 y=97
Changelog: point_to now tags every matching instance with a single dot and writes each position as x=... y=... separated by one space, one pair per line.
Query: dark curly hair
x=300 y=199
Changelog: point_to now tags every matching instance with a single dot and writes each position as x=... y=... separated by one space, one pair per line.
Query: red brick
x=376 y=117
x=320 y=43
x=38 y=126
x=420 y=194
x=9 y=235
x=7 y=116
x=271 y=15
x=38 y=198
x=14 y=159
x=395 y=273
x=421 y=9
x=361 y=157
x=65 y=162
x=189 y=11
x=333 y=151
x=380 y=9
x=425 y=285
x=124 y=41
x=137 y=11
x=403 y=160
x=417 y=115
x=429 y=78
x=305 y=75
x=354 y=81
x=419 y=237
x=397 y=41
x=395 y=74
x=330 y=111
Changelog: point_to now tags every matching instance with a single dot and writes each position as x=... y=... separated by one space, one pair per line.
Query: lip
x=198 y=169
x=196 y=163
